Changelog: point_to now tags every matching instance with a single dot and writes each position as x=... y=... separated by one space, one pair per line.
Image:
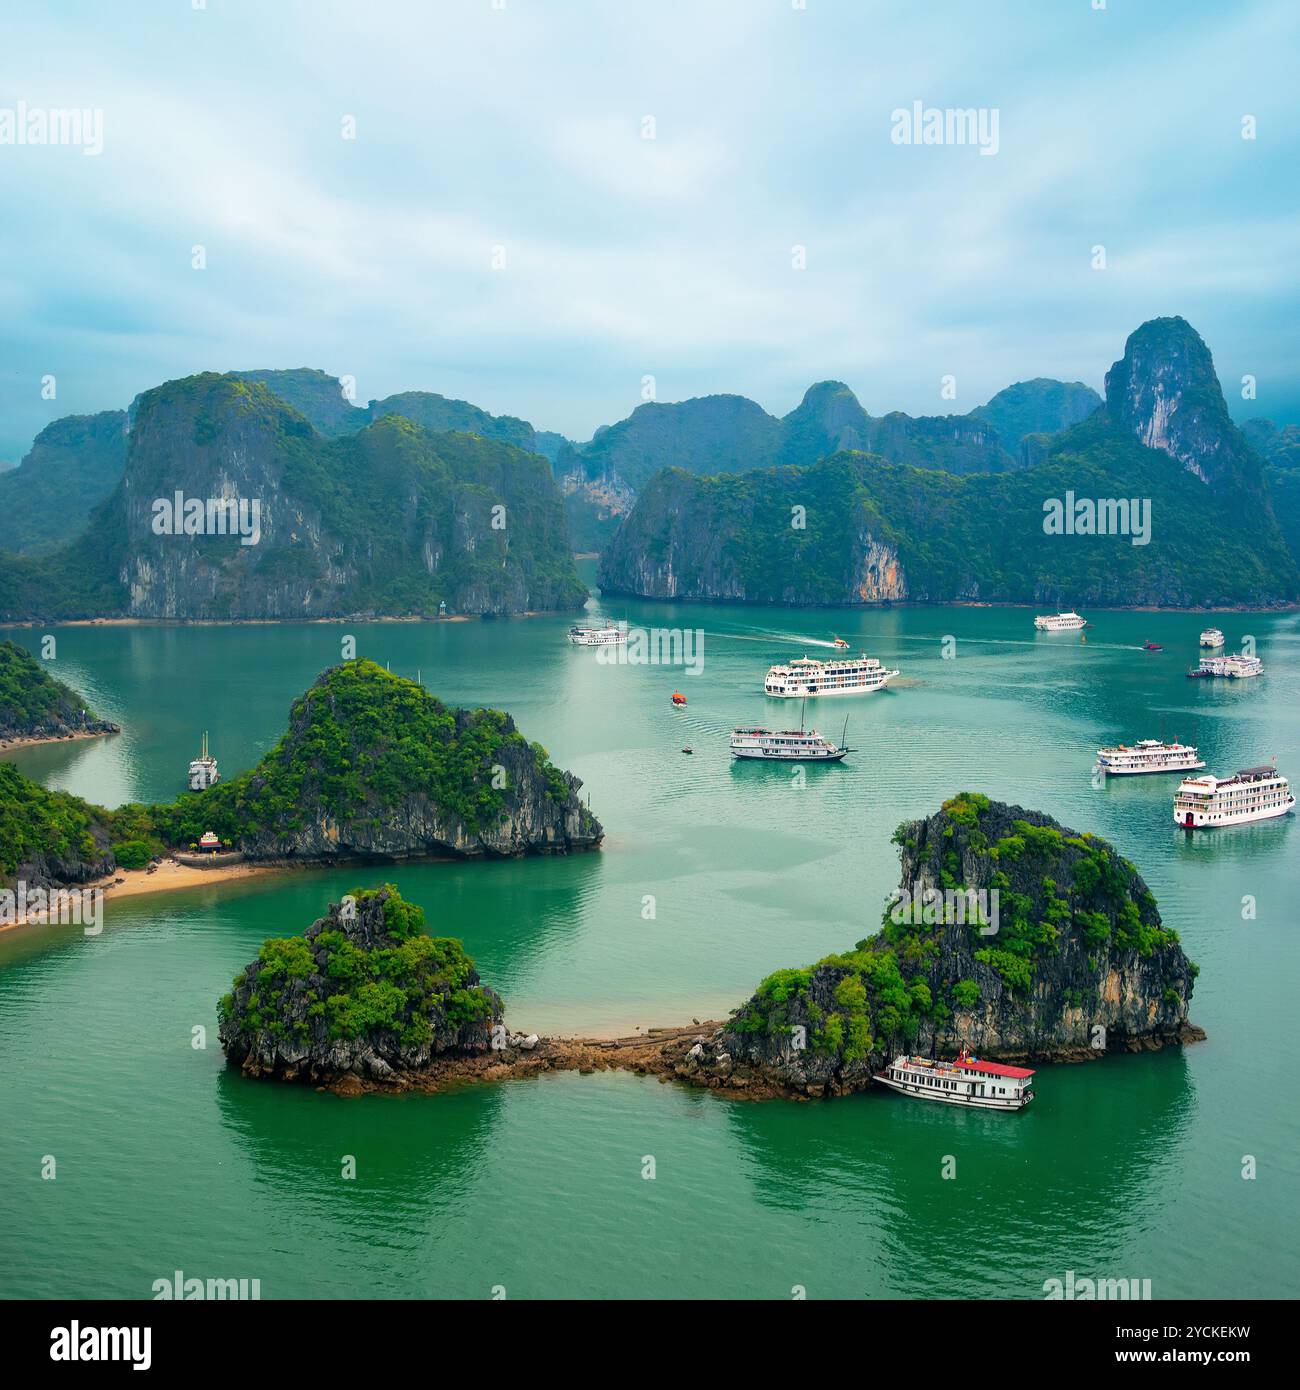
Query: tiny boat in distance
x=678 y=698
x=1255 y=793
x=1212 y=638
x=840 y=644
x=963 y=1081
x=1152 y=647
x=606 y=636
x=1234 y=667
x=1148 y=755
x=1060 y=622
x=688 y=749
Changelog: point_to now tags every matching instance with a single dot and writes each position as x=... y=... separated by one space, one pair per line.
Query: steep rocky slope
x=1078 y=964
x=73 y=465
x=860 y=529
x=371 y=767
x=391 y=519
x=363 y=991
x=33 y=705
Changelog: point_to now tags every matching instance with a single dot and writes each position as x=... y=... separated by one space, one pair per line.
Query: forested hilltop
x=868 y=531
x=391 y=519
x=1074 y=963
x=371 y=767
x=33 y=705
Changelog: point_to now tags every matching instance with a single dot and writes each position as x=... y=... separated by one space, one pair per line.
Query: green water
x=1130 y=1167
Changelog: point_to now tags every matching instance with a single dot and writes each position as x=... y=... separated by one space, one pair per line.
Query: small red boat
x=678 y=698
x=1152 y=647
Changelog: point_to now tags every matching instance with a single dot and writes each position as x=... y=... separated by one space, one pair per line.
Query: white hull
x=1194 y=766
x=1212 y=820
x=1063 y=622
x=756 y=756
x=953 y=1097
x=803 y=692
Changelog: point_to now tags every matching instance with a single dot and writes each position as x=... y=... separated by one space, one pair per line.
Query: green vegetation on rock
x=363 y=990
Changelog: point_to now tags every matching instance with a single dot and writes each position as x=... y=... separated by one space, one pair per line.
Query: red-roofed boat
x=964 y=1081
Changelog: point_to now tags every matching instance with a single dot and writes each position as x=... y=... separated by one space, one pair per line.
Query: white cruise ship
x=203 y=769
x=785 y=745
x=1234 y=667
x=964 y=1081
x=1212 y=638
x=1060 y=622
x=1148 y=755
x=807 y=677
x=1255 y=793
x=609 y=635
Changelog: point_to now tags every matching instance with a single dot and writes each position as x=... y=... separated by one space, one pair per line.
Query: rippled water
x=1130 y=1167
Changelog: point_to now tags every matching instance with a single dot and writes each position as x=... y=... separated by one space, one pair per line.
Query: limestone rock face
x=1166 y=392
x=1076 y=964
x=300 y=1012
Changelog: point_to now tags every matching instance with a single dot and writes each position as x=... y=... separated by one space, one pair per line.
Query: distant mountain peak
x=1166 y=392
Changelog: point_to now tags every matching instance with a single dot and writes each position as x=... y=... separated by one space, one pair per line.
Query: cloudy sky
x=514 y=130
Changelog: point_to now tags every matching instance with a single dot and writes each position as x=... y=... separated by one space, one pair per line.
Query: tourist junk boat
x=788 y=745
x=609 y=635
x=964 y=1081
x=806 y=677
x=1212 y=638
x=1234 y=667
x=1148 y=755
x=203 y=769
x=1060 y=622
x=1255 y=793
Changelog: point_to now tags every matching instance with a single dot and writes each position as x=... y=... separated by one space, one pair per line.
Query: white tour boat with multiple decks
x=607 y=636
x=1060 y=622
x=807 y=677
x=1237 y=667
x=203 y=769
x=1255 y=793
x=1212 y=638
x=786 y=745
x=1148 y=755
x=964 y=1081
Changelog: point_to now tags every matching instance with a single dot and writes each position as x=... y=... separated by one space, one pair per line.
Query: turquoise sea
x=1128 y=1167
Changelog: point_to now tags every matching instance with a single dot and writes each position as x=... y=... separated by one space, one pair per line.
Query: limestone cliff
x=372 y=766
x=1056 y=951
x=363 y=991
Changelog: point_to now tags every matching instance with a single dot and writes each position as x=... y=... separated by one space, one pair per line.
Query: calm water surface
x=1130 y=1167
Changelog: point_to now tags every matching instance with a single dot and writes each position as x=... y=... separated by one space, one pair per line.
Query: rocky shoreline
x=695 y=1055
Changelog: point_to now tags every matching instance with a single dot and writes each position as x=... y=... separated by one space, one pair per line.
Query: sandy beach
x=7 y=743
x=169 y=876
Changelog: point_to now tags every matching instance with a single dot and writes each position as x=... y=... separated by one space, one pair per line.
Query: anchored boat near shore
x=963 y=1081
x=203 y=769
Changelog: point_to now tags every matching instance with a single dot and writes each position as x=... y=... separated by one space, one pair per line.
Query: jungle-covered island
x=371 y=767
x=36 y=708
x=1017 y=938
